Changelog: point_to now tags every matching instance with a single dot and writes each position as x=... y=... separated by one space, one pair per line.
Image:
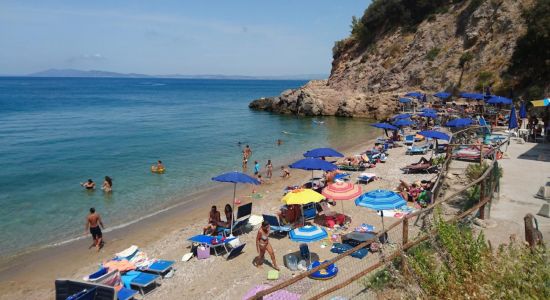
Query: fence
x=401 y=235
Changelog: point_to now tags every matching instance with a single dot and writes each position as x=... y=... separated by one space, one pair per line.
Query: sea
x=58 y=132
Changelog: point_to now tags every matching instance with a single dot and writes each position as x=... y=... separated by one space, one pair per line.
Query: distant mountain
x=106 y=74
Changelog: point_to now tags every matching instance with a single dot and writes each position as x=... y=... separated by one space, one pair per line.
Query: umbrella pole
x=341 y=201
x=233 y=207
x=383 y=229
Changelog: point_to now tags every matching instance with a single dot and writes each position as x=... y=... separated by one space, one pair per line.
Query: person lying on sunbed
x=423 y=161
x=409 y=192
x=213 y=220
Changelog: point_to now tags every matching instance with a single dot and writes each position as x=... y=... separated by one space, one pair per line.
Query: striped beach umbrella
x=380 y=200
x=539 y=103
x=308 y=234
x=342 y=191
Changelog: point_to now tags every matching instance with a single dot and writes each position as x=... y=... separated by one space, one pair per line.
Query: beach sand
x=164 y=235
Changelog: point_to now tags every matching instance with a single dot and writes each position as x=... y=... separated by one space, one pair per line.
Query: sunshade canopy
x=301 y=197
x=435 y=135
x=380 y=200
x=323 y=152
x=308 y=234
x=313 y=164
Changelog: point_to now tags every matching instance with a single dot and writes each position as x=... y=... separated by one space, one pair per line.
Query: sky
x=230 y=37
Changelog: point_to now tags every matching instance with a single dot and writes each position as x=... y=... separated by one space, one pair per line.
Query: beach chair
x=309 y=211
x=416 y=150
x=366 y=178
x=420 y=168
x=159 y=267
x=409 y=140
x=239 y=225
x=276 y=227
x=141 y=281
x=221 y=241
x=65 y=288
x=113 y=278
x=235 y=251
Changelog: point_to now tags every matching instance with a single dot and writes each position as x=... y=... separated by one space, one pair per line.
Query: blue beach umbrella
x=442 y=95
x=438 y=135
x=308 y=234
x=402 y=116
x=384 y=126
x=235 y=177
x=311 y=164
x=513 y=120
x=459 y=122
x=404 y=100
x=428 y=115
x=323 y=152
x=380 y=200
x=429 y=110
x=472 y=96
x=414 y=94
x=403 y=122
x=424 y=98
x=499 y=100
x=523 y=111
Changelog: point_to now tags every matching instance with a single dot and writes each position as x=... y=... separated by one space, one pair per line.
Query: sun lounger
x=208 y=240
x=113 y=278
x=409 y=140
x=159 y=267
x=420 y=167
x=345 y=167
x=243 y=215
x=64 y=288
x=143 y=282
x=310 y=211
x=234 y=252
x=276 y=227
x=366 y=177
x=342 y=176
x=416 y=150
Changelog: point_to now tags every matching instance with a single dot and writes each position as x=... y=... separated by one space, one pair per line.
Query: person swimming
x=89 y=185
x=159 y=168
x=107 y=184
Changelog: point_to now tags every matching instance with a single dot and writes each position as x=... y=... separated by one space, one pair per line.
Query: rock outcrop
x=367 y=81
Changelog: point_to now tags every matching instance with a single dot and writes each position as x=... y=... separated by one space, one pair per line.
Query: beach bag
x=291 y=262
x=203 y=252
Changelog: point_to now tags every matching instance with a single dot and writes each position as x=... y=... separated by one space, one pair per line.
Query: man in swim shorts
x=93 y=222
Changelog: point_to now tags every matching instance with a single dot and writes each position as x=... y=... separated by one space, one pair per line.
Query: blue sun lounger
x=160 y=267
x=140 y=280
x=65 y=288
x=275 y=225
x=207 y=239
x=417 y=150
x=409 y=140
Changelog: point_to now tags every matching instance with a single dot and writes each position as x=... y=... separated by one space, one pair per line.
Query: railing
x=401 y=234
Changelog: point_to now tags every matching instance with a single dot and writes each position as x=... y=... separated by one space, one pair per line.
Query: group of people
x=247 y=152
x=215 y=221
x=107 y=185
x=418 y=192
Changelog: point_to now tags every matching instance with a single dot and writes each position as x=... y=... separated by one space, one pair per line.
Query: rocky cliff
x=462 y=45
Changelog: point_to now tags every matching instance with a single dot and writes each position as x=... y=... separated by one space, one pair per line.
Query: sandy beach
x=165 y=234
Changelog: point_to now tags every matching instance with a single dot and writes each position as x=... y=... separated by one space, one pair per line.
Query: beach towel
x=129 y=277
x=119 y=265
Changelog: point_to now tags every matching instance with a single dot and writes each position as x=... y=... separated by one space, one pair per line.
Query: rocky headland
x=447 y=45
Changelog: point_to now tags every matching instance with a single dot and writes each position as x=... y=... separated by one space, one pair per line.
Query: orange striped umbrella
x=342 y=191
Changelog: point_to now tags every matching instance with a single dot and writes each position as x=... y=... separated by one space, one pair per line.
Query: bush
x=432 y=54
x=465 y=58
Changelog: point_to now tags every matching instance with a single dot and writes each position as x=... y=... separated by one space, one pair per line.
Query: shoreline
x=40 y=267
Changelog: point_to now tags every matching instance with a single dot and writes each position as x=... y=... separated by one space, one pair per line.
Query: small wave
x=151 y=84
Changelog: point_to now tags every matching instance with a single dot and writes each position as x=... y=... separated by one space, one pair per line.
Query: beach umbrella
x=513 y=120
x=278 y=294
x=311 y=164
x=424 y=98
x=323 y=152
x=438 y=135
x=428 y=115
x=442 y=95
x=523 y=111
x=499 y=100
x=384 y=126
x=235 y=177
x=308 y=234
x=414 y=94
x=301 y=197
x=429 y=110
x=402 y=116
x=472 y=96
x=404 y=100
x=403 y=122
x=380 y=200
x=540 y=103
x=342 y=191
x=463 y=122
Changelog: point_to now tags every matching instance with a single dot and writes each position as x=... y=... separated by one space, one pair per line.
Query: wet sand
x=164 y=236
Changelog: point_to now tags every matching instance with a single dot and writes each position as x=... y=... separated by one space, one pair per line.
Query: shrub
x=432 y=54
x=484 y=78
x=465 y=58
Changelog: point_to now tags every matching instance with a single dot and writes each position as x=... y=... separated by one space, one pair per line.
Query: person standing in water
x=107 y=185
x=247 y=152
x=245 y=164
x=269 y=168
x=89 y=185
x=93 y=223
x=256 y=168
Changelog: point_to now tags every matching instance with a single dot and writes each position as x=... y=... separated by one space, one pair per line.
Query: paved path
x=525 y=170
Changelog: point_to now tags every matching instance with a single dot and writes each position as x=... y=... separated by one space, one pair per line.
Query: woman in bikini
x=107 y=185
x=269 y=167
x=263 y=245
x=213 y=220
x=228 y=216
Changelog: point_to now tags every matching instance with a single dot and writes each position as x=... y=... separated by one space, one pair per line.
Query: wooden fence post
x=482 y=198
x=405 y=230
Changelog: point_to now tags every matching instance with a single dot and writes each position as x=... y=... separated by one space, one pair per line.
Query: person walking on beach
x=245 y=164
x=93 y=223
x=89 y=185
x=107 y=185
x=269 y=168
x=256 y=168
x=263 y=245
x=285 y=173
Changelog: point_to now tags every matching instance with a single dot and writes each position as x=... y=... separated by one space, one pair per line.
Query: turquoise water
x=58 y=132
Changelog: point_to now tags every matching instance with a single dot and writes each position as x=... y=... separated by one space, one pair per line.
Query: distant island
x=107 y=74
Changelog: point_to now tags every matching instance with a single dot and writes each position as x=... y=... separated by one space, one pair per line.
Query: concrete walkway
x=526 y=168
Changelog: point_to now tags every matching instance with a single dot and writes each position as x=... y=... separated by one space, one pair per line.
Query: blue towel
x=128 y=277
x=207 y=239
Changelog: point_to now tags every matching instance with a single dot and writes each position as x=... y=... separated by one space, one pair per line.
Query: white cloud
x=86 y=58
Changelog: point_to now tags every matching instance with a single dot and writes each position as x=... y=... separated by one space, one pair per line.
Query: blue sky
x=248 y=37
